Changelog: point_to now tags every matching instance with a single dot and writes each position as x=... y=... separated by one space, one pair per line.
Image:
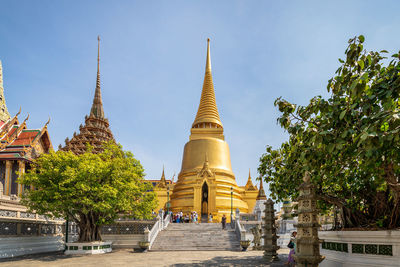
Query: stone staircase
x=190 y=236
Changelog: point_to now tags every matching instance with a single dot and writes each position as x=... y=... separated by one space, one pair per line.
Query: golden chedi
x=206 y=180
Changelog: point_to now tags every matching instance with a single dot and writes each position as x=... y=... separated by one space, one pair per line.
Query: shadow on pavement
x=236 y=261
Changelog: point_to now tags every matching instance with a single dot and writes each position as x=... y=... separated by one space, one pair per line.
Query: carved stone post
x=270 y=237
x=307 y=241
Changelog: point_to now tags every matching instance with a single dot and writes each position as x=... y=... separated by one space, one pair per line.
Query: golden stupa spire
x=97 y=107
x=4 y=115
x=207 y=114
x=261 y=193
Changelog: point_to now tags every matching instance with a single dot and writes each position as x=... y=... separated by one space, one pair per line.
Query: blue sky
x=153 y=60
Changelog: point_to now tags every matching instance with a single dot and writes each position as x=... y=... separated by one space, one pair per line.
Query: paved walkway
x=165 y=258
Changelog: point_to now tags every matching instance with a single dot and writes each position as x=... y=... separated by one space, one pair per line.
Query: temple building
x=163 y=189
x=206 y=183
x=96 y=130
x=19 y=146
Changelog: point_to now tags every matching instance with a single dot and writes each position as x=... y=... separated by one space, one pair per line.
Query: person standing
x=181 y=217
x=223 y=221
x=292 y=246
x=210 y=218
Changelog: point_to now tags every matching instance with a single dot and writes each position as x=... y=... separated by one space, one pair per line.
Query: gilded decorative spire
x=4 y=115
x=208 y=111
x=97 y=107
x=261 y=192
x=249 y=185
x=162 y=175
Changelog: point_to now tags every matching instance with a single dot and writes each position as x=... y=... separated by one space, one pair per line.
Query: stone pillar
x=307 y=241
x=21 y=165
x=1 y=189
x=7 y=185
x=270 y=237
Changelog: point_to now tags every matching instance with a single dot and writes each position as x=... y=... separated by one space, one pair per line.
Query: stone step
x=197 y=237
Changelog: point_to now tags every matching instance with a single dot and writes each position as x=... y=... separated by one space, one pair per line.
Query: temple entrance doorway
x=204 y=200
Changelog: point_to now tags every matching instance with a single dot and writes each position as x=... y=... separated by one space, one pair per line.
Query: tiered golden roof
x=96 y=130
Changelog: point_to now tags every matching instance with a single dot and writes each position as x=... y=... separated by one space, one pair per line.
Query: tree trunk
x=394 y=185
x=89 y=230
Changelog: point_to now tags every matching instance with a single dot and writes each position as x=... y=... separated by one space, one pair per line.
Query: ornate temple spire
x=4 y=115
x=97 y=107
x=261 y=192
x=96 y=130
x=208 y=111
x=249 y=185
x=163 y=176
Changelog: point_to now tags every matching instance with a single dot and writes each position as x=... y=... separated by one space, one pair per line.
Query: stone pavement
x=126 y=257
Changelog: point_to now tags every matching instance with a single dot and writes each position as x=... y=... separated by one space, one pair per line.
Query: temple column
x=7 y=184
x=197 y=198
x=211 y=199
x=21 y=169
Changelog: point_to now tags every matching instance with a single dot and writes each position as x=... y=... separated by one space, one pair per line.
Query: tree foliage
x=349 y=141
x=91 y=189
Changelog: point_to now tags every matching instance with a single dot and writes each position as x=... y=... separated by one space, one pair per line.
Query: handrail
x=240 y=232
x=167 y=220
x=160 y=225
x=153 y=233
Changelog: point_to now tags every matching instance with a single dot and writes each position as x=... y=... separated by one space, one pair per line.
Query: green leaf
x=361 y=64
x=342 y=114
x=361 y=38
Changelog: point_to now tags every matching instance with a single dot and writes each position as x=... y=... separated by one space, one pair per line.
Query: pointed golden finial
x=4 y=115
x=27 y=117
x=97 y=106
x=261 y=192
x=47 y=123
x=19 y=112
x=249 y=185
x=208 y=112
x=208 y=60
x=98 y=61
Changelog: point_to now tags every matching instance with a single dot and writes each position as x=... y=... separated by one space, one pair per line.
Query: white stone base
x=17 y=246
x=98 y=247
x=124 y=241
x=361 y=258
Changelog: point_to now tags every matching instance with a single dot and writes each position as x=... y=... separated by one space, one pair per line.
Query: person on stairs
x=210 y=218
x=223 y=221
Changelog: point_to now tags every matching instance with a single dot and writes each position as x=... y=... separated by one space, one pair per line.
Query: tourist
x=223 y=221
x=181 y=217
x=292 y=247
x=210 y=218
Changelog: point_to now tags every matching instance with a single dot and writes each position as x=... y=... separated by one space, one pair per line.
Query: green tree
x=91 y=189
x=349 y=142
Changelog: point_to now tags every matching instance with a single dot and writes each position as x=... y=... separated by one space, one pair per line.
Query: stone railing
x=151 y=235
x=166 y=221
x=126 y=227
x=360 y=248
x=240 y=231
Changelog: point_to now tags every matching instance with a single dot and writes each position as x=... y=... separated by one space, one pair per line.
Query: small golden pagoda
x=206 y=183
x=96 y=130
